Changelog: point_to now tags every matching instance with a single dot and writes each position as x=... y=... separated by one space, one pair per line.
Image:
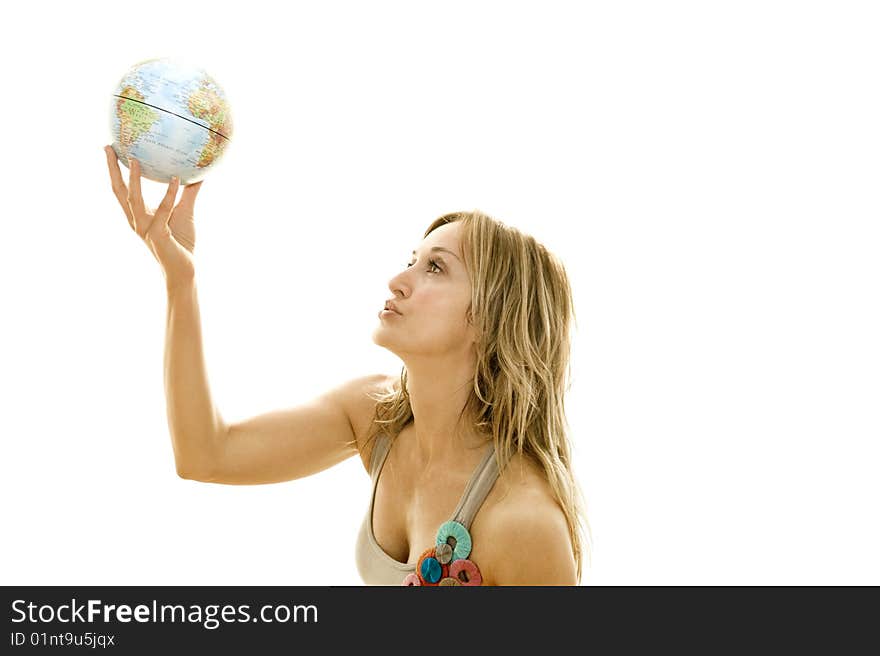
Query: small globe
x=172 y=117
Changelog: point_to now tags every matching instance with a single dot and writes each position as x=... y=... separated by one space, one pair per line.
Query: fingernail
x=174 y=179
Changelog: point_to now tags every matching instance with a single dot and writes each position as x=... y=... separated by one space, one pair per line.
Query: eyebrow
x=444 y=250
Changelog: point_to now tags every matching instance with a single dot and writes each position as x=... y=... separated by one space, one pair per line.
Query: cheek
x=451 y=301
x=451 y=321
x=440 y=307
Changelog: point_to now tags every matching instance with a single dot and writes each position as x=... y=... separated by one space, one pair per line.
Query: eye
x=432 y=264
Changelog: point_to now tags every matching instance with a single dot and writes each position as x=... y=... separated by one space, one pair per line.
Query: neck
x=438 y=393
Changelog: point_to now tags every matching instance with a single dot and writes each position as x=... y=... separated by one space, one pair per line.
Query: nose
x=399 y=284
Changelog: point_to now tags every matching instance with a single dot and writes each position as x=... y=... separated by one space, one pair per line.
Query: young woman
x=467 y=448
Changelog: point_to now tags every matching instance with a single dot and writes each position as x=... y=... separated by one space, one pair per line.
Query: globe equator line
x=172 y=113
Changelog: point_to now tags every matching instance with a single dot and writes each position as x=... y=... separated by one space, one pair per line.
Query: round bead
x=412 y=579
x=456 y=536
x=449 y=581
x=443 y=553
x=428 y=568
x=466 y=571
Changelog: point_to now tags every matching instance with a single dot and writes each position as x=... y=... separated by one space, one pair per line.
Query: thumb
x=188 y=197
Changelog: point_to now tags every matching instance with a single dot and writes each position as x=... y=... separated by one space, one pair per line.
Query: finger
x=117 y=183
x=113 y=167
x=188 y=197
x=184 y=231
x=163 y=212
x=135 y=198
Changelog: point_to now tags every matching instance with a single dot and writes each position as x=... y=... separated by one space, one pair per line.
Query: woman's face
x=432 y=296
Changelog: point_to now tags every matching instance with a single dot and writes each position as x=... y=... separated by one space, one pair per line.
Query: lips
x=389 y=305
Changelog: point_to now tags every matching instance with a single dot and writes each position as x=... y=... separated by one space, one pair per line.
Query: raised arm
x=292 y=443
x=196 y=427
x=270 y=448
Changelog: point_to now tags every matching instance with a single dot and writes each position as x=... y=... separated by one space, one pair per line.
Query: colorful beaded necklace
x=446 y=563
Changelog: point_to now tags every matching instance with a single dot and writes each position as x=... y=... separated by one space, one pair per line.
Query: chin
x=379 y=339
x=382 y=340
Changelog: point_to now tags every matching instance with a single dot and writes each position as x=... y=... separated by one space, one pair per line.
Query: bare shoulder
x=523 y=532
x=356 y=395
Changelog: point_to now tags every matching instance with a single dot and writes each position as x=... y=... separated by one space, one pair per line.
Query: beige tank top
x=376 y=567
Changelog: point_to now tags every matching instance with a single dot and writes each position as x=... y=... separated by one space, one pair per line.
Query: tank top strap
x=477 y=489
x=381 y=446
x=475 y=492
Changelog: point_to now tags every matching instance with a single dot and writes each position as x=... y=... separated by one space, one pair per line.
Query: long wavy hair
x=522 y=309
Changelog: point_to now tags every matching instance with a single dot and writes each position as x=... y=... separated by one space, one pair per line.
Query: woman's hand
x=169 y=231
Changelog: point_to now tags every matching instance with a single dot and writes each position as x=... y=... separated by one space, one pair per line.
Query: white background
x=706 y=171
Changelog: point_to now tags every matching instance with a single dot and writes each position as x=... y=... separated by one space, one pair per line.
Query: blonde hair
x=522 y=308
